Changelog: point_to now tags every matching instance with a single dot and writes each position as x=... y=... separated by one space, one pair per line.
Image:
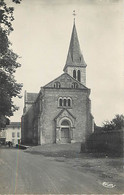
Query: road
x=25 y=173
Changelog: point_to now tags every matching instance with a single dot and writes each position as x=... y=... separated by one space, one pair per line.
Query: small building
x=13 y=132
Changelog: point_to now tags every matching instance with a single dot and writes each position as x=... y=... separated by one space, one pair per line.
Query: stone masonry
x=61 y=112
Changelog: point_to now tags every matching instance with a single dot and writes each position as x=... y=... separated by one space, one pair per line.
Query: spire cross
x=74 y=14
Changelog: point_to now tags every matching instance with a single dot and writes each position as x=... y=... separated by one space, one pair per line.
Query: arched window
x=60 y=102
x=74 y=74
x=69 y=102
x=57 y=85
x=74 y=85
x=64 y=102
x=79 y=75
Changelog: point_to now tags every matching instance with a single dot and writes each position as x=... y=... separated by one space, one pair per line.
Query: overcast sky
x=41 y=36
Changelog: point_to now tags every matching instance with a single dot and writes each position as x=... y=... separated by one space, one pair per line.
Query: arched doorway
x=65 y=132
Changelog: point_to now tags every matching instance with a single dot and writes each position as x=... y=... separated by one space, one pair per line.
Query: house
x=61 y=111
x=13 y=132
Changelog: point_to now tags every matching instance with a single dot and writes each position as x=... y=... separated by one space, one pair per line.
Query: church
x=61 y=111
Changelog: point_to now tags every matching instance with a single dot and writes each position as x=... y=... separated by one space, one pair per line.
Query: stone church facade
x=61 y=111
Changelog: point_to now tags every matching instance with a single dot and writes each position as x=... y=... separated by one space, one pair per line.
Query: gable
x=64 y=113
x=64 y=81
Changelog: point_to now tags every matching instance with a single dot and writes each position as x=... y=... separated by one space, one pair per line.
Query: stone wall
x=80 y=110
x=109 y=142
x=82 y=69
x=29 y=127
x=39 y=125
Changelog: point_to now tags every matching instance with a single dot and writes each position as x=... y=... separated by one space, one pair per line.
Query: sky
x=41 y=37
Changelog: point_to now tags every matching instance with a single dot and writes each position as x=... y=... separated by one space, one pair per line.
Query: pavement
x=24 y=172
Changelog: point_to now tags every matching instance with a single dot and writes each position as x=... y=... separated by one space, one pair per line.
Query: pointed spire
x=74 y=14
x=74 y=57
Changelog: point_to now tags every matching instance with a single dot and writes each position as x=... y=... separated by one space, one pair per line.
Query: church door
x=65 y=132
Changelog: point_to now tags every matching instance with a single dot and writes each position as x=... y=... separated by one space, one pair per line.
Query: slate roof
x=74 y=57
x=31 y=97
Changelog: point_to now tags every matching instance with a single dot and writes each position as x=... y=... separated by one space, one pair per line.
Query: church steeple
x=75 y=64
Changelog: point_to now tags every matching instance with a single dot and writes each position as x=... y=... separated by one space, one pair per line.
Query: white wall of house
x=13 y=135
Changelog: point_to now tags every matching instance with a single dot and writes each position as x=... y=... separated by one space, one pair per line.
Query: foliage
x=6 y=15
x=116 y=123
x=97 y=128
x=9 y=88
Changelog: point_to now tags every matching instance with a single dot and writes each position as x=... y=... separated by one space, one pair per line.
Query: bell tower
x=75 y=65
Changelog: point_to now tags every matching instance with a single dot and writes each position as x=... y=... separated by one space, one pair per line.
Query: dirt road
x=24 y=173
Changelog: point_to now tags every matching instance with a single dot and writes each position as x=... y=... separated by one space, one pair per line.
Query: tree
x=9 y=87
x=108 y=126
x=116 y=123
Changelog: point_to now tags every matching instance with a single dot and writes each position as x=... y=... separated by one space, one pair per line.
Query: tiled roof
x=14 y=124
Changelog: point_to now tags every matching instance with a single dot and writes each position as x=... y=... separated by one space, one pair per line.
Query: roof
x=74 y=57
x=31 y=97
x=14 y=124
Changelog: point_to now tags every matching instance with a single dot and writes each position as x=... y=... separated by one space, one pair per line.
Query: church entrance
x=65 y=132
